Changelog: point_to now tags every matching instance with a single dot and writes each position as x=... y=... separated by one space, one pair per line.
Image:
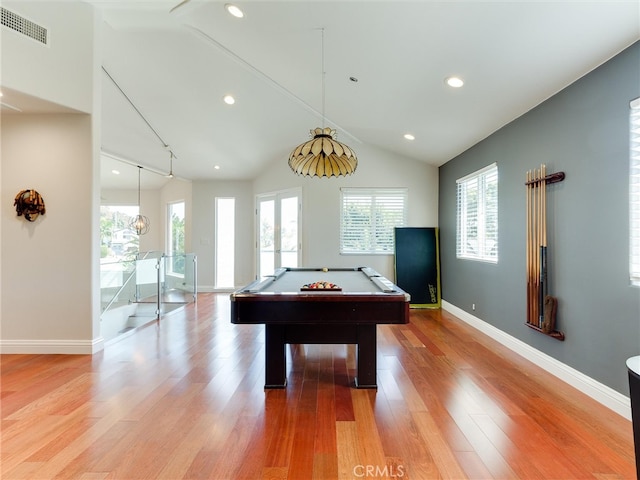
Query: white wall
x=321 y=212
x=49 y=300
x=49 y=297
x=60 y=72
x=203 y=231
x=321 y=203
x=47 y=277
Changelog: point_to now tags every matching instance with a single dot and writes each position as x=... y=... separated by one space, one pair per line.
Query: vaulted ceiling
x=175 y=61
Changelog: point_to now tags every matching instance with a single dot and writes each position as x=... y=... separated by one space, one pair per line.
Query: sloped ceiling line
x=267 y=79
x=164 y=144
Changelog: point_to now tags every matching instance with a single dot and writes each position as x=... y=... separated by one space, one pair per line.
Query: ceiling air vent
x=22 y=25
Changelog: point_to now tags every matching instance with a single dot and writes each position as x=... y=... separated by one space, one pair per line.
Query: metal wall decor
x=29 y=204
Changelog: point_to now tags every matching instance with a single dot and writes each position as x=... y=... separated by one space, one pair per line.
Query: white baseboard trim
x=73 y=347
x=587 y=385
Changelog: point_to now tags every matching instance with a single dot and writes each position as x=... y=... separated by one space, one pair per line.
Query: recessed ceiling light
x=233 y=10
x=454 y=82
x=229 y=100
x=115 y=172
x=216 y=167
x=408 y=136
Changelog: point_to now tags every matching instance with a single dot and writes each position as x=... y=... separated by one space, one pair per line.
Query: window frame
x=634 y=192
x=485 y=215
x=372 y=243
x=176 y=265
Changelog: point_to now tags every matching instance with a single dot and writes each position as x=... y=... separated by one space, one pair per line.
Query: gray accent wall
x=582 y=131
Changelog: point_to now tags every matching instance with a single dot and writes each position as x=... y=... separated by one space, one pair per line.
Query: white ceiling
x=176 y=66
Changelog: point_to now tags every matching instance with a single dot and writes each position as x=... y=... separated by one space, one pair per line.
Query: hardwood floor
x=185 y=400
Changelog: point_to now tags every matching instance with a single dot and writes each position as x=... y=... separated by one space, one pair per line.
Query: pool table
x=347 y=310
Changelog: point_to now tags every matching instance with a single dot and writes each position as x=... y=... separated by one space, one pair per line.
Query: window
x=225 y=241
x=118 y=241
x=175 y=230
x=477 y=232
x=634 y=192
x=368 y=218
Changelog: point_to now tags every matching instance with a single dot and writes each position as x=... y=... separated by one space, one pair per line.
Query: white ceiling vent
x=22 y=25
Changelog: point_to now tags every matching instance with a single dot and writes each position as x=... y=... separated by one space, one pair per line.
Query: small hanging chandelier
x=323 y=155
x=140 y=223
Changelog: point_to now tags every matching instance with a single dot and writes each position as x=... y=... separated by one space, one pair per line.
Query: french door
x=278 y=231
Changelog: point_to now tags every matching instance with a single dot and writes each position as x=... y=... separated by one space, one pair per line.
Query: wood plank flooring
x=184 y=399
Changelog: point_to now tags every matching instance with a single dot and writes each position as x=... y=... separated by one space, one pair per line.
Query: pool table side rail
x=319 y=309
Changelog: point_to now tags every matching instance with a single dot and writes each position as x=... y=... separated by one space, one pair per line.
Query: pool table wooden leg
x=275 y=357
x=366 y=357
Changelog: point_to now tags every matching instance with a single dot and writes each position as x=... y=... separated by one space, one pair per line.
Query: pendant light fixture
x=323 y=155
x=140 y=223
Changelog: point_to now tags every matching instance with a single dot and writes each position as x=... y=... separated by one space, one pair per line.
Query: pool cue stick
x=529 y=251
x=538 y=241
x=544 y=205
x=543 y=246
x=532 y=248
x=528 y=245
x=529 y=266
x=537 y=248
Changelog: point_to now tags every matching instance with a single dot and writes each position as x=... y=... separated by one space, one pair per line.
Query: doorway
x=278 y=231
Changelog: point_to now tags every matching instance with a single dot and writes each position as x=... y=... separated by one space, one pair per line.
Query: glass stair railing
x=136 y=292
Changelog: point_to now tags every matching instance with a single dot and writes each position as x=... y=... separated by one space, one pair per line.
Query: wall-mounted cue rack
x=541 y=307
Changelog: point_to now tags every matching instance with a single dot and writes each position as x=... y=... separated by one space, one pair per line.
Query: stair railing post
x=195 y=278
x=158 y=286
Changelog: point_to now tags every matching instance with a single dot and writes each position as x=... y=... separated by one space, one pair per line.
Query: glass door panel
x=266 y=240
x=278 y=231
x=289 y=232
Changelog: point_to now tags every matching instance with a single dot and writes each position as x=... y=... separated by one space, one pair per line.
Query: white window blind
x=368 y=217
x=634 y=192
x=477 y=205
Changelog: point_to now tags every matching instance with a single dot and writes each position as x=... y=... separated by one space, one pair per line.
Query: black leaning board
x=417 y=265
